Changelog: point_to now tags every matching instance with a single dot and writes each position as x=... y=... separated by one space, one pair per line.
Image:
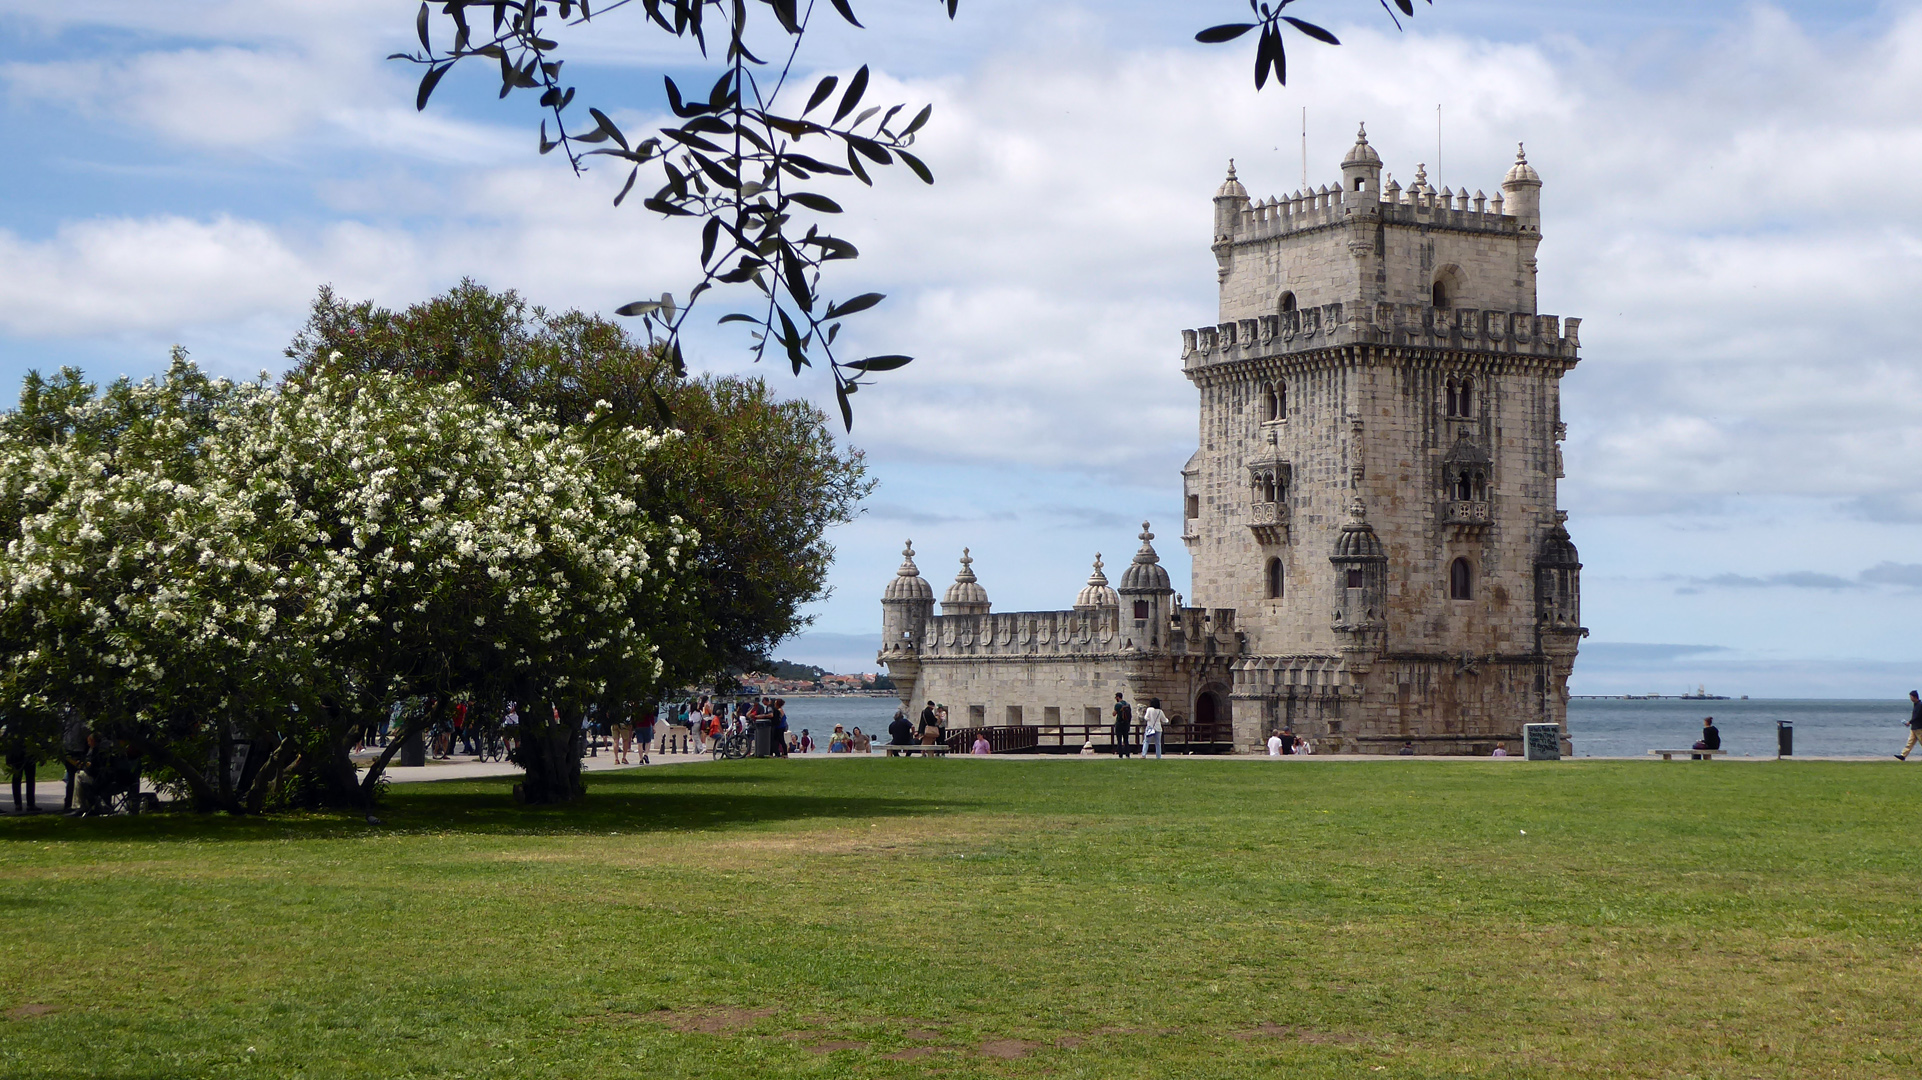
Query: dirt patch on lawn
x=1007 y=1049
x=712 y=1021
x=911 y=1053
x=28 y=1011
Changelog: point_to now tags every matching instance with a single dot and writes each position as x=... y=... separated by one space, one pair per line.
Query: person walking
x=644 y=730
x=73 y=753
x=1124 y=722
x=1151 y=720
x=1915 y=725
x=698 y=725
x=22 y=763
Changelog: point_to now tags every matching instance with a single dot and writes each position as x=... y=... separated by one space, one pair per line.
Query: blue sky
x=1729 y=206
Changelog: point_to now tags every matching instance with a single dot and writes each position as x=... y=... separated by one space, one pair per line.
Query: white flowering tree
x=193 y=563
x=461 y=546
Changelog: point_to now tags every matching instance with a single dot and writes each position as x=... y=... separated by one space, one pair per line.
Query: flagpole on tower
x=1304 y=148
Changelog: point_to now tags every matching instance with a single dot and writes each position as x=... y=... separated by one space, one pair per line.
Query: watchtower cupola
x=965 y=596
x=1361 y=169
x=906 y=606
x=1147 y=596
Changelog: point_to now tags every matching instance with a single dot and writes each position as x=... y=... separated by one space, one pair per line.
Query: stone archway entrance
x=1209 y=710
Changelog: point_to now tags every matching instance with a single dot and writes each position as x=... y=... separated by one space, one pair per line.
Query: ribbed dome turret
x=1146 y=574
x=1558 y=550
x=965 y=596
x=1521 y=172
x=1096 y=593
x=1361 y=153
x=908 y=584
x=1358 y=539
x=1231 y=188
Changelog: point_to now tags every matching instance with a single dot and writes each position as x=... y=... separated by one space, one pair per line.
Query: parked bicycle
x=733 y=745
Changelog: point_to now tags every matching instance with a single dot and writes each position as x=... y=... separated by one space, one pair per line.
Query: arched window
x=1266 y=490
x=1274 y=579
x=1440 y=293
x=1459 y=490
x=1461 y=397
x=1270 y=402
x=1461 y=580
x=1481 y=485
x=1287 y=301
x=1281 y=401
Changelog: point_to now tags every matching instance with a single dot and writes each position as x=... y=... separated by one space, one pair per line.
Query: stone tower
x=1374 y=493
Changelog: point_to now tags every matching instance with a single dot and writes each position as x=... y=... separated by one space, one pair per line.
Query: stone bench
x=937 y=749
x=1705 y=755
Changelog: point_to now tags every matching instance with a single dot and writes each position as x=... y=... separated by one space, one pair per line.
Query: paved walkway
x=48 y=794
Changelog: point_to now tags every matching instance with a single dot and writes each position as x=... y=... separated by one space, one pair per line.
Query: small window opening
x=1270 y=402
x=1287 y=301
x=1459 y=491
x=1461 y=580
x=1274 y=579
x=1194 y=506
x=1266 y=489
x=1357 y=579
x=1460 y=397
x=1141 y=609
x=1440 y=294
x=1481 y=486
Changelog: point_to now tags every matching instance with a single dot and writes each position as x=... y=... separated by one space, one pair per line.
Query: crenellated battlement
x=1050 y=634
x=1510 y=332
x=1327 y=207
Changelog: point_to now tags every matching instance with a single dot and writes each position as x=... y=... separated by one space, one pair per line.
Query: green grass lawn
x=994 y=918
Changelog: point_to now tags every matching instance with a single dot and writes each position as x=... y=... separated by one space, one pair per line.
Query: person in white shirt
x=1274 y=744
x=1151 y=720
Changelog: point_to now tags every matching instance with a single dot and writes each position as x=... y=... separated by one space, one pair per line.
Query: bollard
x=1784 y=739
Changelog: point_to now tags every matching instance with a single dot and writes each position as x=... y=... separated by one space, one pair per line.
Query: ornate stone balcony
x=1467 y=515
x=1269 y=521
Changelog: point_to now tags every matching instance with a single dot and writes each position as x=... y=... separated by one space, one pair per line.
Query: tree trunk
x=550 y=752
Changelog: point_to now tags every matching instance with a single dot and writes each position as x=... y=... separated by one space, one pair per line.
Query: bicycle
x=492 y=745
x=733 y=746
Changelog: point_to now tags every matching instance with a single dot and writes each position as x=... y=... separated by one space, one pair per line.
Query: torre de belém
x=1371 y=512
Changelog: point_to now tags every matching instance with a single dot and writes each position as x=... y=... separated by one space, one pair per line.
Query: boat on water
x=1701 y=694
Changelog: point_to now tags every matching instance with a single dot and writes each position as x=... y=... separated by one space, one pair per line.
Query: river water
x=1598 y=728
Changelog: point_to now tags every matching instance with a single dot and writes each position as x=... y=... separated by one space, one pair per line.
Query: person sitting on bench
x=1711 y=738
x=901 y=731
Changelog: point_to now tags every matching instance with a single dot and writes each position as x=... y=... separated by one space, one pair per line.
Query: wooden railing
x=1070 y=738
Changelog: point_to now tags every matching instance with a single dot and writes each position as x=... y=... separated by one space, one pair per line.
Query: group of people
x=842 y=741
x=1285 y=743
x=98 y=769
x=707 y=720
x=932 y=727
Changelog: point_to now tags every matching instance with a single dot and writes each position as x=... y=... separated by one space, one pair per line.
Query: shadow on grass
x=637 y=802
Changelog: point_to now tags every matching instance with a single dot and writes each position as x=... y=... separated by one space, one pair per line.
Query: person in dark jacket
x=1711 y=737
x=1915 y=725
x=900 y=732
x=1124 y=722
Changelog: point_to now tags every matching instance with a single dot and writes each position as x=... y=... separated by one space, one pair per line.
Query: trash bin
x=764 y=738
x=1784 y=739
